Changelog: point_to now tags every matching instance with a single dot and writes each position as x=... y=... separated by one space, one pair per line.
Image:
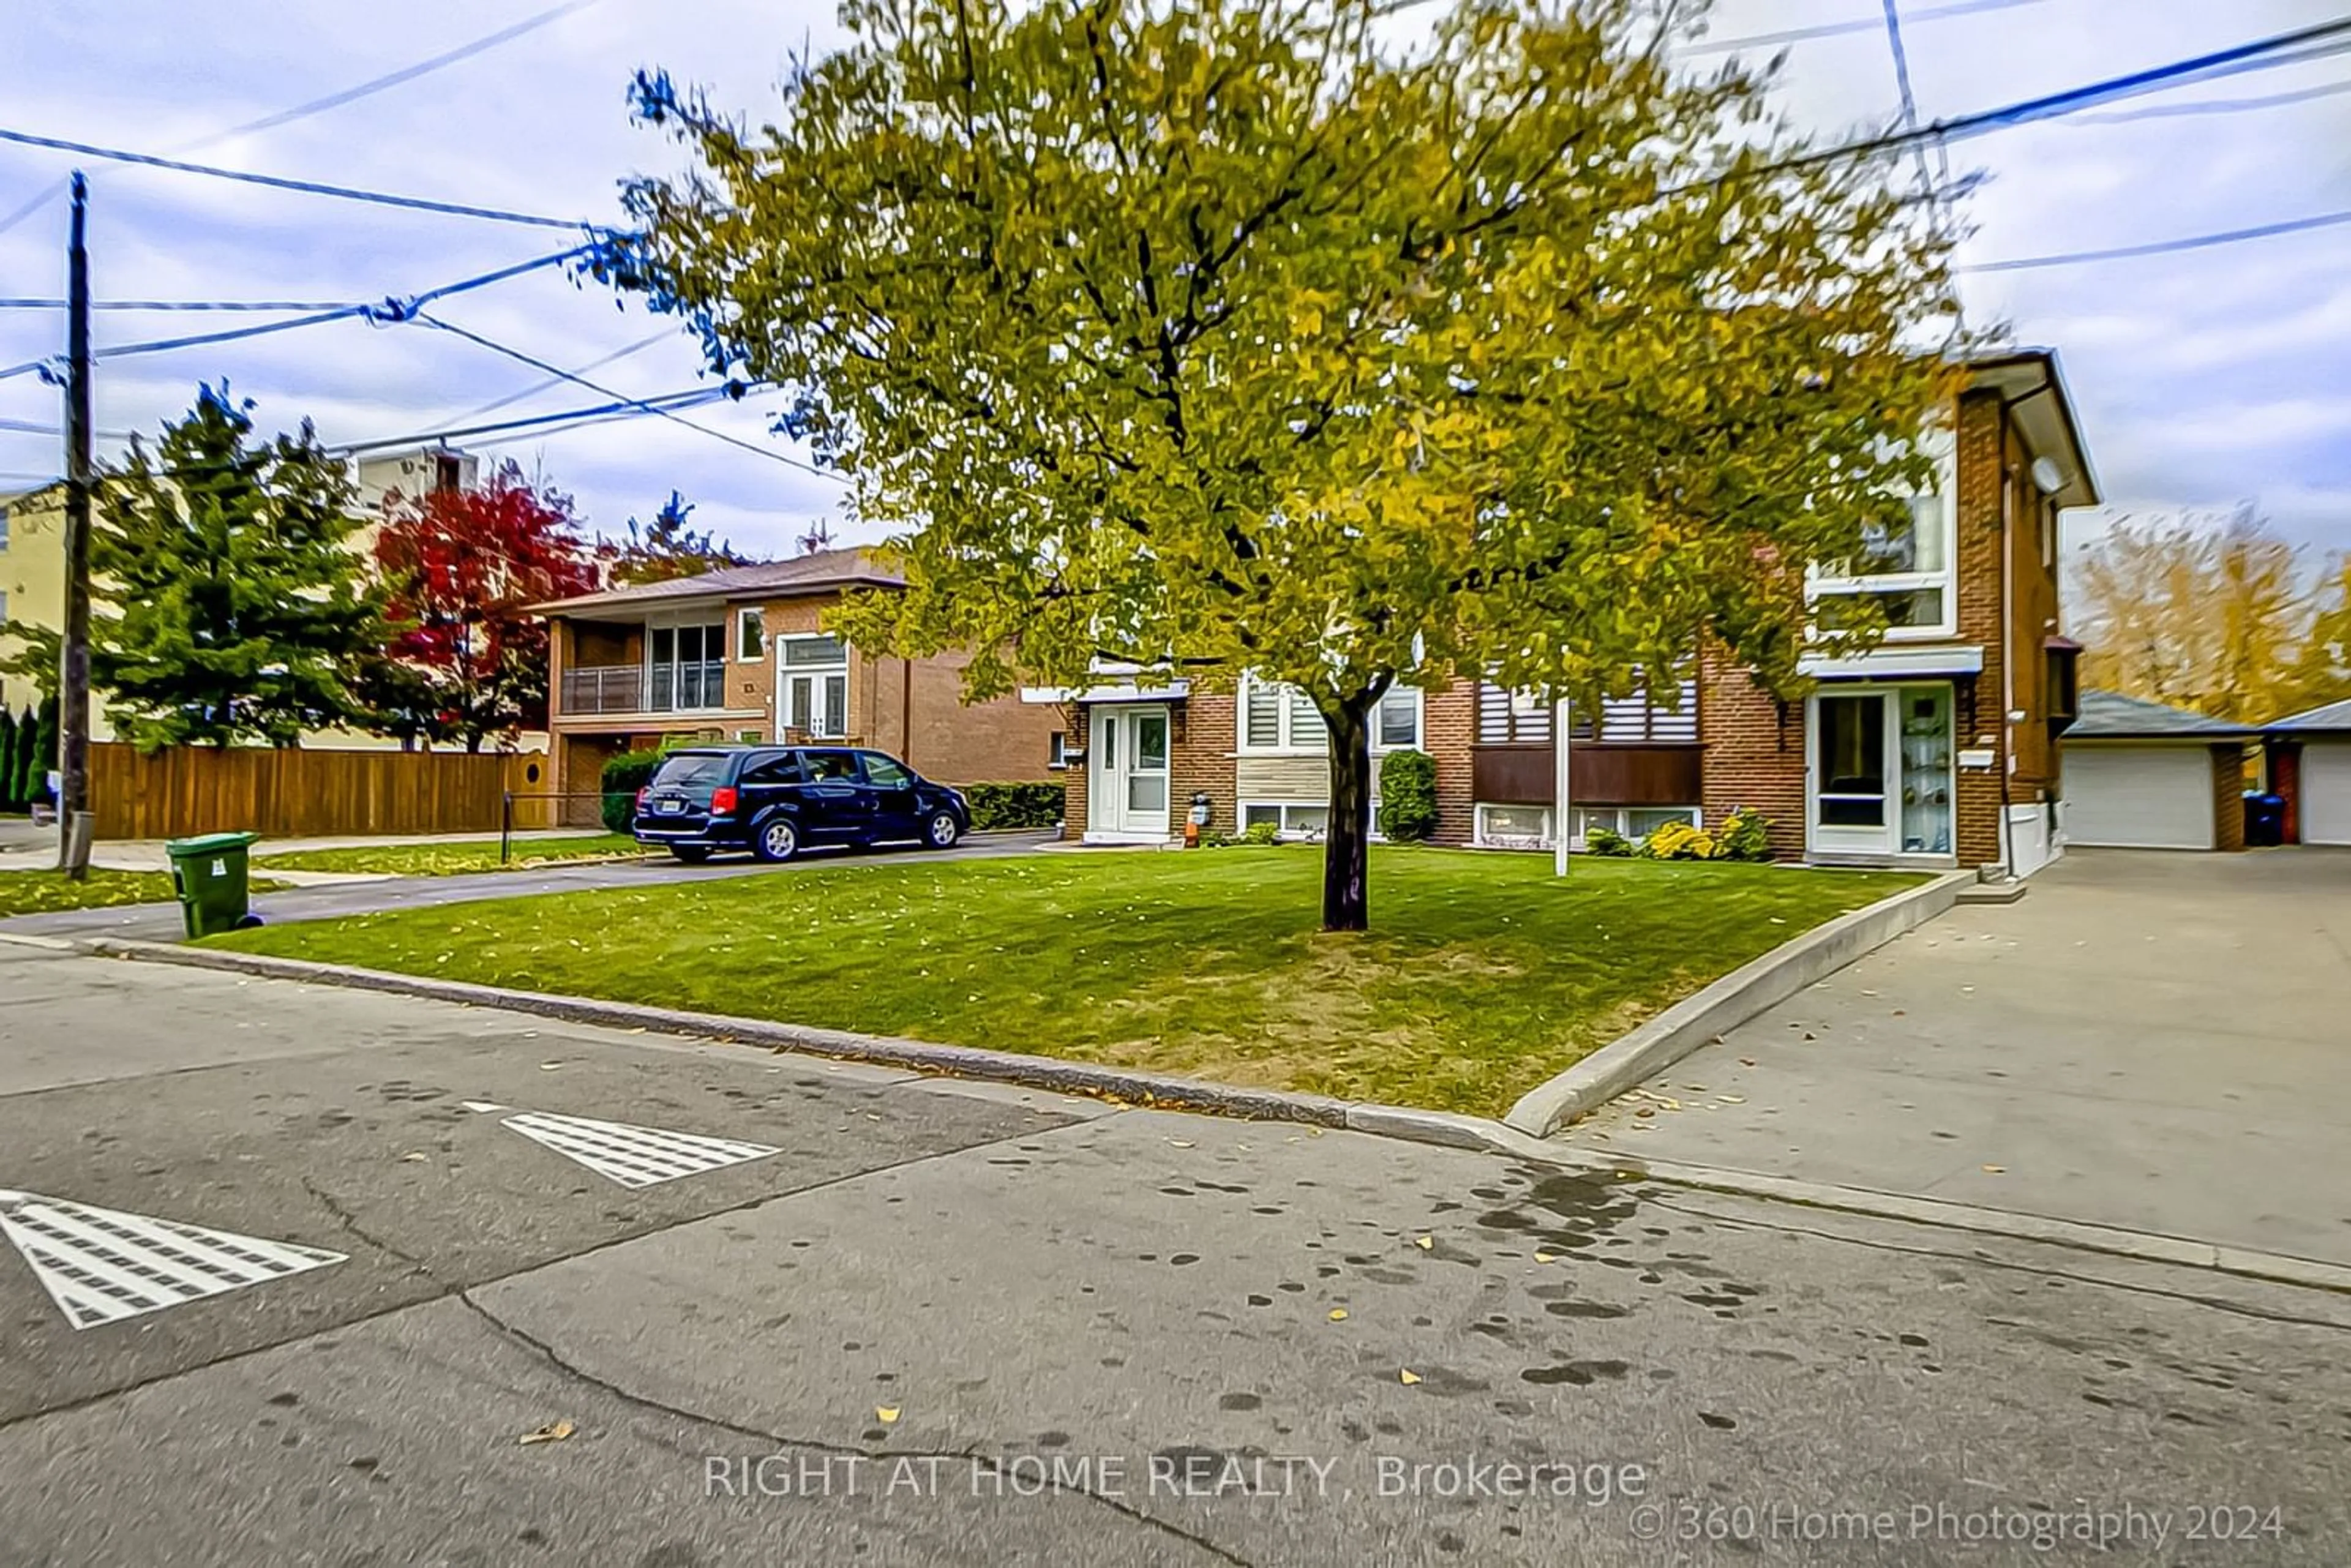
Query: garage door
x=2326 y=793
x=2139 y=797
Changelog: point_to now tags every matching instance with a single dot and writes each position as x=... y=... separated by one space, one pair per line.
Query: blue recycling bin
x=2264 y=821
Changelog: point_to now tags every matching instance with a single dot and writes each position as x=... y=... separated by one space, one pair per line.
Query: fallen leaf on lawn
x=1732 y=1099
x=1746 y=1061
x=413 y=1157
x=1424 y=1242
x=548 y=1066
x=1338 y=1314
x=1407 y=1376
x=1995 y=1170
x=1542 y=1256
x=1898 y=1012
x=553 y=1432
x=885 y=1414
x=1181 y=1143
x=1645 y=1111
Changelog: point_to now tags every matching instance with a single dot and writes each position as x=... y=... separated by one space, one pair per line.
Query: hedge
x=1408 y=796
x=623 y=776
x=1015 y=805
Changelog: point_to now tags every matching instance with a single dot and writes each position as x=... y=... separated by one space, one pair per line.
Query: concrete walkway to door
x=2155 y=1041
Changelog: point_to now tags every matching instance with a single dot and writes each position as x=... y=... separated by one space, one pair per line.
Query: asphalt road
x=900 y=1321
x=163 y=922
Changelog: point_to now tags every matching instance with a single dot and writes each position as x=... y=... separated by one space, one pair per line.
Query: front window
x=1633 y=823
x=1903 y=570
x=814 y=680
x=750 y=636
x=1396 y=726
x=1279 y=719
x=684 y=667
x=1291 y=820
x=1514 y=827
x=1057 y=749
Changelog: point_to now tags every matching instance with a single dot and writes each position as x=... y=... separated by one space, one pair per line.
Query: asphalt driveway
x=2153 y=1040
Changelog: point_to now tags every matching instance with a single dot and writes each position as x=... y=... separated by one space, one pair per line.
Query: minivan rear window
x=692 y=768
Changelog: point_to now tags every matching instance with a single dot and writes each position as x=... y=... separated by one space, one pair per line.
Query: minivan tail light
x=722 y=800
x=641 y=797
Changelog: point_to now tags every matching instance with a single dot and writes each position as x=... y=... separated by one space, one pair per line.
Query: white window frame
x=708 y=620
x=1821 y=582
x=831 y=669
x=1057 y=748
x=1286 y=730
x=1281 y=810
x=1618 y=821
x=1484 y=839
x=744 y=652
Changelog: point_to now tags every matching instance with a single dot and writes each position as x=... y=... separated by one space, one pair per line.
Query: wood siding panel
x=1598 y=775
x=303 y=794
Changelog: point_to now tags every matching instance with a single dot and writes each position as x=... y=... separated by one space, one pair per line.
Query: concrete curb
x=1164 y=1092
x=1728 y=1003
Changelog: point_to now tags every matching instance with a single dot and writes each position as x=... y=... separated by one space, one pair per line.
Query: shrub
x=1606 y=841
x=1744 y=836
x=1408 y=796
x=1260 y=833
x=623 y=776
x=1678 y=841
x=1015 y=805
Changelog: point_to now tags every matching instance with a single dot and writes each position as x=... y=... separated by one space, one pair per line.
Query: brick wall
x=1982 y=448
x=2228 y=797
x=1753 y=760
x=1449 y=730
x=1205 y=727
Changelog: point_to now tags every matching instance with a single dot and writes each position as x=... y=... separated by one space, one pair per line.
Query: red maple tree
x=469 y=663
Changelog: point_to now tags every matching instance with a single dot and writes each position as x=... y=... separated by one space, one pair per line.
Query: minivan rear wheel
x=943 y=831
x=777 y=839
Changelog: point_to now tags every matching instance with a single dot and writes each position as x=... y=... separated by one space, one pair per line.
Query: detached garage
x=2139 y=775
x=2310 y=765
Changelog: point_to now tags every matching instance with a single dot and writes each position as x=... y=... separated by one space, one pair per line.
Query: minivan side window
x=825 y=765
x=783 y=767
x=692 y=768
x=883 y=772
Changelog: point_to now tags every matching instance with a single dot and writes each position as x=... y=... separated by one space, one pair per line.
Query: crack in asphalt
x=579 y=1373
x=349 y=1222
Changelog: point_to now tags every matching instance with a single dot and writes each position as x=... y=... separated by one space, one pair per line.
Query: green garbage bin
x=210 y=873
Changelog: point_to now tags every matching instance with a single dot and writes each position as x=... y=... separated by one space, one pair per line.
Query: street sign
x=101 y=1265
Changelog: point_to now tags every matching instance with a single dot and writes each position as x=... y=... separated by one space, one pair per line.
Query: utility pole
x=73 y=655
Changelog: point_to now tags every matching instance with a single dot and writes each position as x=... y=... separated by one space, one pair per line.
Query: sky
x=2203 y=378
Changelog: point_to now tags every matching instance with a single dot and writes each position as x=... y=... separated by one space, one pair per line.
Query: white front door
x=1126 y=794
x=1878 y=771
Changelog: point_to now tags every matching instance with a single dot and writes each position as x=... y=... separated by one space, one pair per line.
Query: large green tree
x=1339 y=343
x=232 y=605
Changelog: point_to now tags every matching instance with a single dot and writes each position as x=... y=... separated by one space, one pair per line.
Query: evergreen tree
x=668 y=548
x=237 y=609
x=10 y=800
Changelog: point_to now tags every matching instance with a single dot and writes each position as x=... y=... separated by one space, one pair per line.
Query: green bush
x=623 y=776
x=1408 y=796
x=1260 y=833
x=1744 y=836
x=1015 y=805
x=9 y=800
x=1606 y=841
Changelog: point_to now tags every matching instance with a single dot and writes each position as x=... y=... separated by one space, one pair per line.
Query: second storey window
x=1512 y=718
x=1903 y=570
x=684 y=667
x=1278 y=719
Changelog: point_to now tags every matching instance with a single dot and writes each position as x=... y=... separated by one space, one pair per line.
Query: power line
x=538 y=364
x=390 y=79
x=22 y=303
x=634 y=408
x=1836 y=29
x=616 y=355
x=388 y=310
x=2165 y=246
x=278 y=183
x=335 y=100
x=2213 y=106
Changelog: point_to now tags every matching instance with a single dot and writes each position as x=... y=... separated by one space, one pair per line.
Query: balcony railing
x=609 y=689
x=697 y=688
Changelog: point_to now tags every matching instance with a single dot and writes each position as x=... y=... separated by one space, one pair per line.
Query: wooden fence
x=302 y=793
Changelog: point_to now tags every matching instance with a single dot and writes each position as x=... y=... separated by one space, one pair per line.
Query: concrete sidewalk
x=2150 y=1040
x=23 y=846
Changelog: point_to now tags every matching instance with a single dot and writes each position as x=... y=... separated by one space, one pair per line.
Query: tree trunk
x=1345 y=903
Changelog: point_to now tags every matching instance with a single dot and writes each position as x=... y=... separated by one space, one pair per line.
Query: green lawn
x=1483 y=975
x=41 y=892
x=448 y=860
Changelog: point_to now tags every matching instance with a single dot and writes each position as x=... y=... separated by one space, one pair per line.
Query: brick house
x=1936 y=748
x=739 y=654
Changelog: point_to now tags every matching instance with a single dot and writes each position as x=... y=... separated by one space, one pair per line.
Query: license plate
x=670 y=808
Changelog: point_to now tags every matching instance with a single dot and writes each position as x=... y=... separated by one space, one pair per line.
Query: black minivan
x=776 y=801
